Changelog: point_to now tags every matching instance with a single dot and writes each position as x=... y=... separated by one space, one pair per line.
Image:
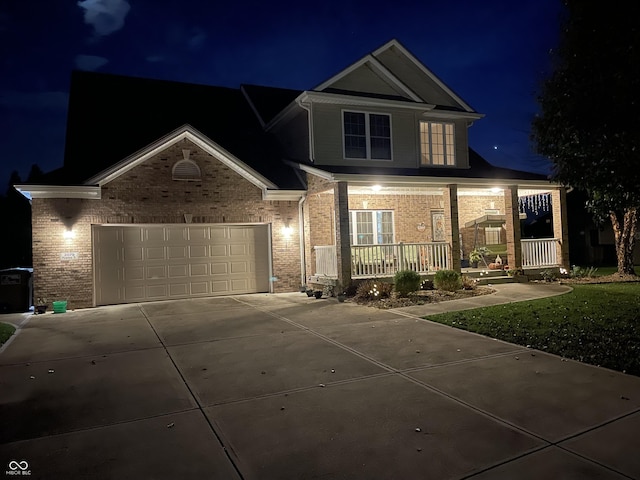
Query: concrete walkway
x=290 y=387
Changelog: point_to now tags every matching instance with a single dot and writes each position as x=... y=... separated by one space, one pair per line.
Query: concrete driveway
x=290 y=387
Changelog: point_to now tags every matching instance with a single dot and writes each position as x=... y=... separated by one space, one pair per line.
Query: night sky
x=492 y=53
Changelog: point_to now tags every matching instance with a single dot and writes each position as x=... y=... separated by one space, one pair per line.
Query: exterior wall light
x=287 y=230
x=69 y=234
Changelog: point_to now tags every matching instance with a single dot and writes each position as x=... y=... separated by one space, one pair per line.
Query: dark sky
x=492 y=53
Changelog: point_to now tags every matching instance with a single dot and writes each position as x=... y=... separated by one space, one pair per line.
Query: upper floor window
x=367 y=135
x=437 y=143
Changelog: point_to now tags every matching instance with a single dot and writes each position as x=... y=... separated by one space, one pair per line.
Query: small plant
x=373 y=290
x=468 y=283
x=515 y=271
x=579 y=272
x=427 y=284
x=548 y=275
x=406 y=281
x=448 y=280
x=475 y=256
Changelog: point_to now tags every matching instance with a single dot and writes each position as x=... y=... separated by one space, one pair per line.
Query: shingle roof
x=478 y=168
x=111 y=117
x=269 y=101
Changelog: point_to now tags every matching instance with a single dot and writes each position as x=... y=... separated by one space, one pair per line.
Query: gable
x=418 y=77
x=365 y=79
x=393 y=73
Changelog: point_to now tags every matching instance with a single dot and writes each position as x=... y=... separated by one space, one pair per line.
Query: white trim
x=374 y=224
x=342 y=99
x=60 y=191
x=283 y=195
x=194 y=136
x=412 y=181
x=367 y=127
x=424 y=69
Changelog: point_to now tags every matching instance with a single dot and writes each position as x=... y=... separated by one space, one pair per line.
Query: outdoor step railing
x=540 y=252
x=385 y=260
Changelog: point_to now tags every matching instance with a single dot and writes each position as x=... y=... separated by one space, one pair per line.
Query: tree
x=589 y=124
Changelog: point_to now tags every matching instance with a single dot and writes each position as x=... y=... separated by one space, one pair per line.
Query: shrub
x=448 y=280
x=373 y=290
x=468 y=283
x=406 y=281
x=548 y=275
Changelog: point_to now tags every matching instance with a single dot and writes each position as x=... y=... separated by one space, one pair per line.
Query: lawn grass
x=596 y=324
x=602 y=271
x=6 y=331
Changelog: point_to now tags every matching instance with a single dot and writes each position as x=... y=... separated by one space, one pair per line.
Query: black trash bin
x=16 y=290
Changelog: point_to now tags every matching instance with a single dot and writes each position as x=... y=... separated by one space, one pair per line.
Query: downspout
x=303 y=262
x=308 y=108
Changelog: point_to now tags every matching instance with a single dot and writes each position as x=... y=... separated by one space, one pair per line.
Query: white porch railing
x=540 y=252
x=326 y=260
x=385 y=260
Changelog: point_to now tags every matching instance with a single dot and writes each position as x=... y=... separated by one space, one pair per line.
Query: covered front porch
x=373 y=261
x=366 y=229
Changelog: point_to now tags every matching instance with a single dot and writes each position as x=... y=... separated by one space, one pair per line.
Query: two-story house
x=172 y=190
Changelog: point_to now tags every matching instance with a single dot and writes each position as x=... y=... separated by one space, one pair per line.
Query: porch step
x=495 y=279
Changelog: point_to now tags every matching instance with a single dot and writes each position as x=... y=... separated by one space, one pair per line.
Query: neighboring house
x=172 y=190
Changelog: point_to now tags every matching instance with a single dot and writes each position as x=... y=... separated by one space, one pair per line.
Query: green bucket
x=60 y=307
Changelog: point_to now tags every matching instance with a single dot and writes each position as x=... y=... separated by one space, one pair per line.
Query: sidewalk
x=505 y=293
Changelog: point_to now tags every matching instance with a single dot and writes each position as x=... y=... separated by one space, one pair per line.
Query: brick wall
x=147 y=194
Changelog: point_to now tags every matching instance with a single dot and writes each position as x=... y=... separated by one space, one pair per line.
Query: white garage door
x=152 y=262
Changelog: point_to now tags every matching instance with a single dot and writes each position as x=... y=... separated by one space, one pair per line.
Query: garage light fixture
x=287 y=230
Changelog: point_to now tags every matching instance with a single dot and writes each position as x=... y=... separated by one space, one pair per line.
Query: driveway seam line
x=400 y=373
x=195 y=398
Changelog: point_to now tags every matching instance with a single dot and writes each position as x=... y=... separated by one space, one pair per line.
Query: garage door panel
x=130 y=235
x=238 y=250
x=199 y=235
x=178 y=271
x=153 y=235
x=133 y=254
x=220 y=286
x=176 y=234
x=239 y=267
x=177 y=252
x=143 y=263
x=157 y=291
x=156 y=272
x=218 y=251
x=198 y=251
x=133 y=273
x=198 y=269
x=199 y=288
x=155 y=253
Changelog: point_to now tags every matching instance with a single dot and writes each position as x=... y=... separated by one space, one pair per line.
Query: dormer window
x=367 y=135
x=437 y=144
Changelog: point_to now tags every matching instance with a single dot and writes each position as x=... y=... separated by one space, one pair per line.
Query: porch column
x=453 y=232
x=560 y=225
x=512 y=215
x=343 y=242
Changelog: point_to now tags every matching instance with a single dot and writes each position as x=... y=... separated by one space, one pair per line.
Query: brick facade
x=147 y=194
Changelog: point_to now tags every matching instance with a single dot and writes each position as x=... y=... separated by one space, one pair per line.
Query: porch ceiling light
x=376 y=188
x=496 y=190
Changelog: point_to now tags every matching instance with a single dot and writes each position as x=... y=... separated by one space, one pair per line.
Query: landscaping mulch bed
x=423 y=297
